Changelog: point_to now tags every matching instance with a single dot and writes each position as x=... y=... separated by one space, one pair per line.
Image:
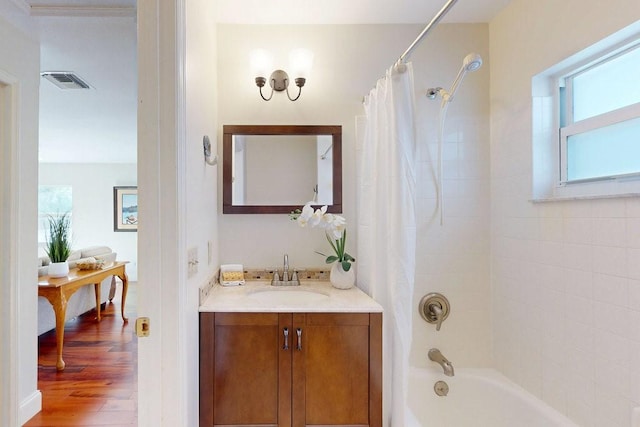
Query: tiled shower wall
x=453 y=257
x=565 y=275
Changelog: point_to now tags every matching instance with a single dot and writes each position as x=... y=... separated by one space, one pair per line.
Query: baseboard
x=30 y=406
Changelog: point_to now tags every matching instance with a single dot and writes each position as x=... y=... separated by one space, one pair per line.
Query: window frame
x=547 y=110
x=608 y=118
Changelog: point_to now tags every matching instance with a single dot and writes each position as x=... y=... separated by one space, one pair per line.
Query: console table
x=58 y=291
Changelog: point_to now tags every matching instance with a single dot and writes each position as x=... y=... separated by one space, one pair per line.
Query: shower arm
x=430 y=25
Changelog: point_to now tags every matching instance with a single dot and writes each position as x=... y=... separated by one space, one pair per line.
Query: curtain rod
x=426 y=30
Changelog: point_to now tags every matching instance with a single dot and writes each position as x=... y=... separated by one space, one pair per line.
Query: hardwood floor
x=99 y=384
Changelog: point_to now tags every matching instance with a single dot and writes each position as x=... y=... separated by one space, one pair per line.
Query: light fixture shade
x=300 y=63
x=261 y=63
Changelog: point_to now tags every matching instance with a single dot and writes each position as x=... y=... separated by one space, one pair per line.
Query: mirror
x=276 y=169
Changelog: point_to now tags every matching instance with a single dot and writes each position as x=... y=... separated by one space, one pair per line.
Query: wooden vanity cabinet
x=291 y=369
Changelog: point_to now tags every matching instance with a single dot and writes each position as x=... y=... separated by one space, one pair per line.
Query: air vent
x=65 y=79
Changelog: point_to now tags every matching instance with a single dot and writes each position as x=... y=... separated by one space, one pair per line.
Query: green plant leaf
x=331 y=259
x=58 y=244
x=346 y=265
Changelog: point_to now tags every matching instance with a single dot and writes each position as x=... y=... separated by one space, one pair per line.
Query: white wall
x=92 y=190
x=565 y=275
x=201 y=179
x=348 y=60
x=19 y=59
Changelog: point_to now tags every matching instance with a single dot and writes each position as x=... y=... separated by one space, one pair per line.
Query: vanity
x=290 y=356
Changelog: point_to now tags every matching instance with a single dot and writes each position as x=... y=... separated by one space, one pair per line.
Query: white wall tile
x=609 y=208
x=612 y=347
x=578 y=230
x=610 y=260
x=579 y=283
x=634 y=294
x=610 y=232
x=579 y=257
x=551 y=229
x=633 y=262
x=633 y=232
x=633 y=327
x=611 y=289
x=580 y=309
x=633 y=207
x=611 y=410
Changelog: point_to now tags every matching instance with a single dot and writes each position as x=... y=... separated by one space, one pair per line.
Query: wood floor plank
x=99 y=384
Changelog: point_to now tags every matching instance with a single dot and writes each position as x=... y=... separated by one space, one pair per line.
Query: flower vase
x=341 y=279
x=58 y=269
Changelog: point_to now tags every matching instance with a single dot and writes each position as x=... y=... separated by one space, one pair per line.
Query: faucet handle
x=276 y=276
x=436 y=311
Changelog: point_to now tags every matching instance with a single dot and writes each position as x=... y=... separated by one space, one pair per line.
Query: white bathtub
x=478 y=398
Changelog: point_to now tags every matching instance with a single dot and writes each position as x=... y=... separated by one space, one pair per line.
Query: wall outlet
x=192 y=260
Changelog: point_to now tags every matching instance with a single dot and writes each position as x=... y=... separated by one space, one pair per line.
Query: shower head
x=471 y=63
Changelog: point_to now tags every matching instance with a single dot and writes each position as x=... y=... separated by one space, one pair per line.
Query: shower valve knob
x=434 y=308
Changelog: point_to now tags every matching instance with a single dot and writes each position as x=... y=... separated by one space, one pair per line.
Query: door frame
x=9 y=401
x=163 y=387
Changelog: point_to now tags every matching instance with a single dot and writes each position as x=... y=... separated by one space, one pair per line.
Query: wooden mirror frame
x=227 y=162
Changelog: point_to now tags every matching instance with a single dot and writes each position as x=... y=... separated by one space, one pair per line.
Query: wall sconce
x=300 y=61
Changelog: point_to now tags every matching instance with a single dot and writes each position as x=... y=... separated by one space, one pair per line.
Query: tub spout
x=436 y=356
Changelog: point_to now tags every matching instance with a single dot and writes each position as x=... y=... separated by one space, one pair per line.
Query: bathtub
x=478 y=398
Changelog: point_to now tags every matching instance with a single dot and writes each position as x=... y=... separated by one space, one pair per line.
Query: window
x=586 y=122
x=600 y=119
x=53 y=200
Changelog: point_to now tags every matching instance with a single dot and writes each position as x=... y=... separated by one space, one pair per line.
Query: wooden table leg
x=96 y=287
x=125 y=287
x=60 y=309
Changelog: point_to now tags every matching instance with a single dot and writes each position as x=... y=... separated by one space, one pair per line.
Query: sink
x=278 y=296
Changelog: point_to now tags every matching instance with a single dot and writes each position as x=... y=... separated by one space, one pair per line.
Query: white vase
x=59 y=269
x=341 y=279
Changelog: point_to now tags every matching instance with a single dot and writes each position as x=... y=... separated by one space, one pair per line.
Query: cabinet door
x=247 y=359
x=332 y=374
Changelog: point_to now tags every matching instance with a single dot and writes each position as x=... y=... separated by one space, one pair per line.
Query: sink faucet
x=285 y=272
x=286 y=280
x=436 y=356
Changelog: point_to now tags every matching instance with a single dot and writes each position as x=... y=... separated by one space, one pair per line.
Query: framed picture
x=125 y=208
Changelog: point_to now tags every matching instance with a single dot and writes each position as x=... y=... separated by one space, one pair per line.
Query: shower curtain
x=387 y=225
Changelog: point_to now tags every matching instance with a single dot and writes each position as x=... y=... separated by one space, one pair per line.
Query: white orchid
x=335 y=227
x=305 y=215
x=318 y=215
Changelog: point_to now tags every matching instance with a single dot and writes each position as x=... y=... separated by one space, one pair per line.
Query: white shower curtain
x=387 y=226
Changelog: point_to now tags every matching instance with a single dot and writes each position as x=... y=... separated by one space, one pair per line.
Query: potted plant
x=58 y=245
x=342 y=276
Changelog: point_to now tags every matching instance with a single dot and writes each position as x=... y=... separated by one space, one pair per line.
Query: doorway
x=88 y=145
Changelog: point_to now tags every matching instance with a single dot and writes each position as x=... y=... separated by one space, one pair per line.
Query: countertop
x=260 y=296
